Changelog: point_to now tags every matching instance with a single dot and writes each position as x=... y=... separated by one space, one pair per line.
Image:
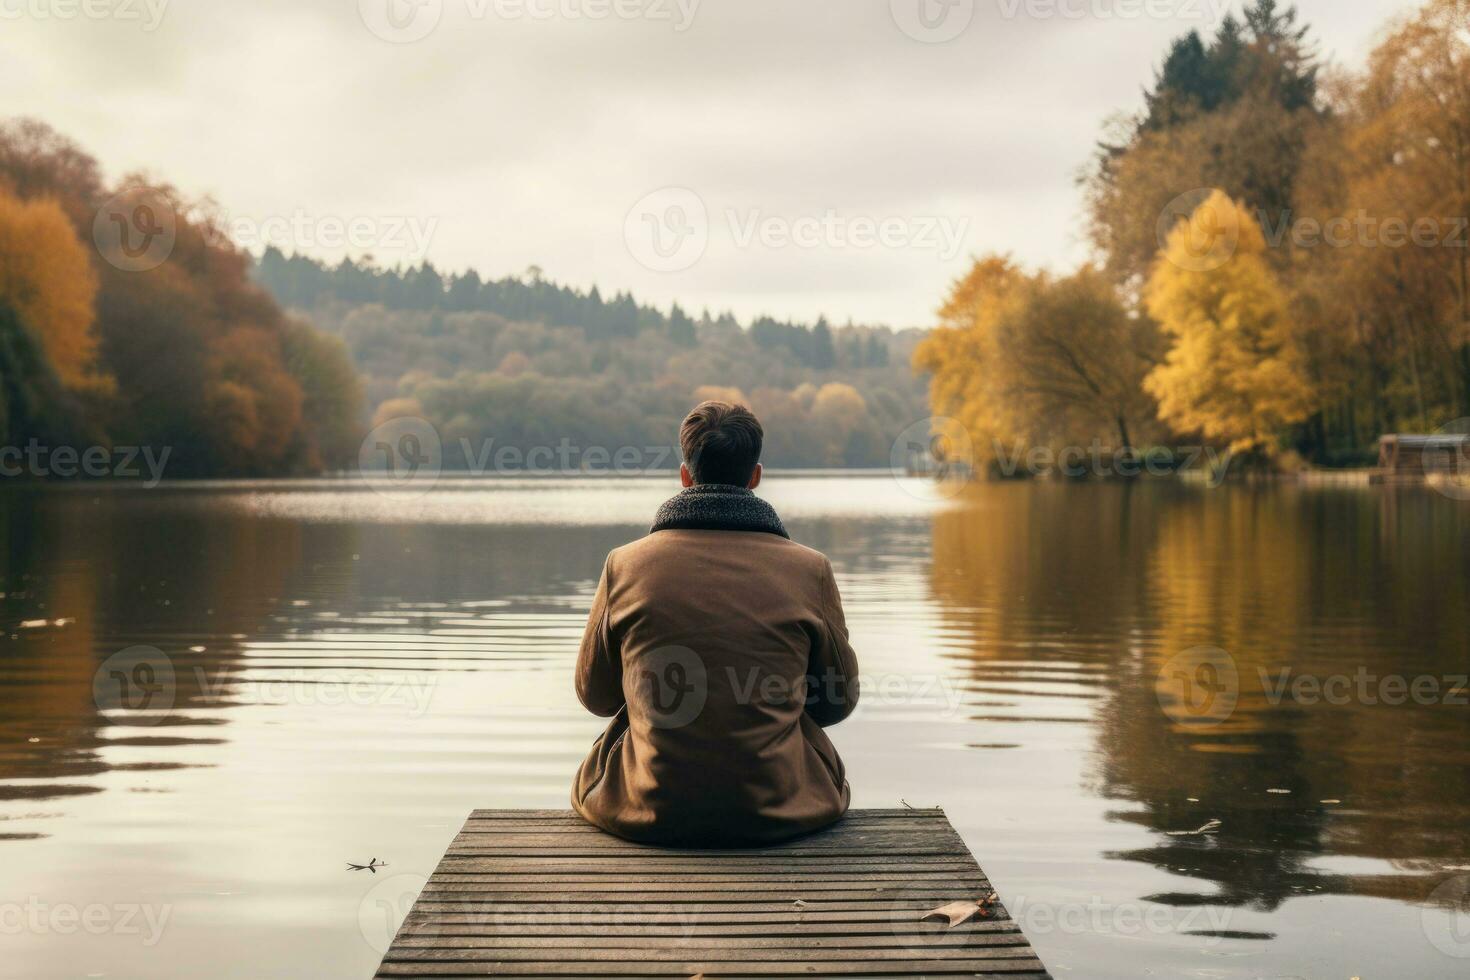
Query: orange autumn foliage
x=46 y=277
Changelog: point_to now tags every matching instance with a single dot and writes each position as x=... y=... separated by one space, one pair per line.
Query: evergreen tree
x=1267 y=56
x=681 y=328
x=823 y=356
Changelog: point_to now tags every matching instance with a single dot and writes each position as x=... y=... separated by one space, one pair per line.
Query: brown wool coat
x=699 y=646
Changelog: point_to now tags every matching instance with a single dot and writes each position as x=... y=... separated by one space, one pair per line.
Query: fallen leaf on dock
x=1209 y=828
x=958 y=913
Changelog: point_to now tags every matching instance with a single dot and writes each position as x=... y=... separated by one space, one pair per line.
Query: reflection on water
x=253 y=685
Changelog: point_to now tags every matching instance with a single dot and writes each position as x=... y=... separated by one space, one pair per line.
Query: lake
x=1188 y=732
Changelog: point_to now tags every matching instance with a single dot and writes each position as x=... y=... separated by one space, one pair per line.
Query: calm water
x=256 y=683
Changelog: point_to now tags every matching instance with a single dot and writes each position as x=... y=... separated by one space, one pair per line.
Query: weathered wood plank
x=571 y=822
x=964 y=939
x=469 y=904
x=691 y=908
x=663 y=883
x=540 y=893
x=860 y=842
x=815 y=864
x=419 y=925
x=833 y=968
x=609 y=878
x=679 y=954
x=855 y=816
x=525 y=849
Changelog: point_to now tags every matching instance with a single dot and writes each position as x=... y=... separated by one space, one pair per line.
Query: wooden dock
x=540 y=893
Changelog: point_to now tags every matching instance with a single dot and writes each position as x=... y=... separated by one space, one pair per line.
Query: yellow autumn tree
x=1392 y=291
x=1234 y=372
x=46 y=277
x=962 y=358
x=839 y=411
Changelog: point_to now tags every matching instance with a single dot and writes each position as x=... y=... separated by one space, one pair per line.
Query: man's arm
x=600 y=662
x=832 y=682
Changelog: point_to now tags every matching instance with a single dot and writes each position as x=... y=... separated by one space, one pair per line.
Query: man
x=718 y=647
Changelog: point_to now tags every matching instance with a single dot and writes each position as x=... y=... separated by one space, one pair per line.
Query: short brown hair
x=721 y=443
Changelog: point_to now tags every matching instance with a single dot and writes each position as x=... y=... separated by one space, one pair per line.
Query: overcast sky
x=791 y=157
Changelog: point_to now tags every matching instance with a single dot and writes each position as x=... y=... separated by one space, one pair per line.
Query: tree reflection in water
x=1101 y=587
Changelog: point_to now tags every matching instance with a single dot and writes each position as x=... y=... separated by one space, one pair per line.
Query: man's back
x=720 y=655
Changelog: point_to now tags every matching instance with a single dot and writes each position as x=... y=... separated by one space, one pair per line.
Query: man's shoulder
x=770 y=546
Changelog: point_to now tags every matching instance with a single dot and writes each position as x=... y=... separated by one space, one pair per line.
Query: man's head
x=721 y=444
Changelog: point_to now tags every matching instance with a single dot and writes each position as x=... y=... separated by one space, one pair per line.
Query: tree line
x=279 y=365
x=302 y=282
x=524 y=363
x=1281 y=260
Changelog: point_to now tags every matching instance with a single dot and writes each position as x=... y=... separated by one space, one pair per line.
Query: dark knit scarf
x=718 y=507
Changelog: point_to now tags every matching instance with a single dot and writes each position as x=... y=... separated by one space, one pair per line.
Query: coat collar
x=718 y=507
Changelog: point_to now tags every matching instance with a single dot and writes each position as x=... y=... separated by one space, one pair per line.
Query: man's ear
x=685 y=477
x=755 y=478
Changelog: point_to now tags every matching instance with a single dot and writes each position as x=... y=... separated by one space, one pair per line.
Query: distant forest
x=527 y=362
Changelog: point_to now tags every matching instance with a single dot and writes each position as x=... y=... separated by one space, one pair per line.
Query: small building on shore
x=1420 y=456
